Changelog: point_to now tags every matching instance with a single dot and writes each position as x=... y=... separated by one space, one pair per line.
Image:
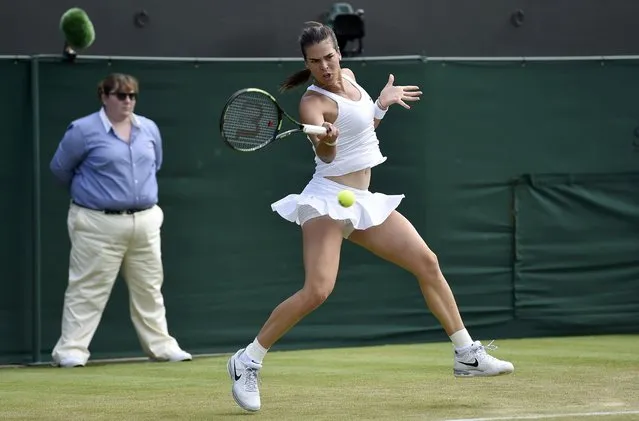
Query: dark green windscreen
x=521 y=177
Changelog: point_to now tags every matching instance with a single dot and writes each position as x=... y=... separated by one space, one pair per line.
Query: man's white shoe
x=69 y=363
x=176 y=356
x=244 y=375
x=474 y=361
x=180 y=355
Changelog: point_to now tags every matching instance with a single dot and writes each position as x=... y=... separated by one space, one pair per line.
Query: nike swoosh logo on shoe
x=473 y=364
x=235 y=373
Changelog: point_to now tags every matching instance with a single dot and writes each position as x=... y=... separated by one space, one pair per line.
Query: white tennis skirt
x=319 y=198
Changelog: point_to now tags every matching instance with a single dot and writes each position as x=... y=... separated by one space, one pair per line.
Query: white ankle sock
x=461 y=339
x=255 y=351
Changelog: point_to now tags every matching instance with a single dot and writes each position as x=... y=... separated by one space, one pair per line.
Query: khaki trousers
x=101 y=245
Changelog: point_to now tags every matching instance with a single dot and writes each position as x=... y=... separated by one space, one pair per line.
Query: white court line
x=542 y=416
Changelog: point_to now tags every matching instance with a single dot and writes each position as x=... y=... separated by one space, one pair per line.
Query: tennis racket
x=252 y=119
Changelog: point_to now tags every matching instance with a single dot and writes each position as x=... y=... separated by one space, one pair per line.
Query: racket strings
x=250 y=121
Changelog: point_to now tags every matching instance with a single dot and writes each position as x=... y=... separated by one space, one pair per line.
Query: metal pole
x=424 y=58
x=36 y=225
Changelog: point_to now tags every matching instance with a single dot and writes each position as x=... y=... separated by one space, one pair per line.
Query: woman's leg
x=322 y=242
x=397 y=241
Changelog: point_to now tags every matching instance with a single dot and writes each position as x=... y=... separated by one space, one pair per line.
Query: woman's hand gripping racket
x=252 y=119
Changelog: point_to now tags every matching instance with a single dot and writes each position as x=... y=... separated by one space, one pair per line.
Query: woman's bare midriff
x=358 y=179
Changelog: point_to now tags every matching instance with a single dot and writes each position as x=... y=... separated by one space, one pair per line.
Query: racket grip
x=310 y=129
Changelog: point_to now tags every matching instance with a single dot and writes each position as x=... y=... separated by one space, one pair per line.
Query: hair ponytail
x=295 y=79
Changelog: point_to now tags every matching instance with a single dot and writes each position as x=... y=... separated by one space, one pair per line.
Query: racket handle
x=310 y=129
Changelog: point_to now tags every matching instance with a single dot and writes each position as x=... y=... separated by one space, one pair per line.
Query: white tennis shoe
x=245 y=378
x=474 y=361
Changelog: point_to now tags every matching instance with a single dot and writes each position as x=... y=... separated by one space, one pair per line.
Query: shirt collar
x=107 y=124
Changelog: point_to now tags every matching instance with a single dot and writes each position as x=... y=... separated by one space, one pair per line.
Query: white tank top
x=357 y=143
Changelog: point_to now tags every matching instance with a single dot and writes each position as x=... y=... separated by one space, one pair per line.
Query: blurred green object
x=77 y=29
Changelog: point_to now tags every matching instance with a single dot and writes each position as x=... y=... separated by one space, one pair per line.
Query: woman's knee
x=427 y=266
x=317 y=290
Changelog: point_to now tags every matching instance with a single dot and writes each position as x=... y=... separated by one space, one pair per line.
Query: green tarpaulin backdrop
x=522 y=177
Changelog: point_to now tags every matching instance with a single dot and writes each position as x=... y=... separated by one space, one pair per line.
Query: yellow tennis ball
x=346 y=198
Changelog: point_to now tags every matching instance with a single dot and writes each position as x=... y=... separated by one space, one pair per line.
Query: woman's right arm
x=311 y=112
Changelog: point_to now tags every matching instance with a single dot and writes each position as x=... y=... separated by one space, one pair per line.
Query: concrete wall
x=269 y=28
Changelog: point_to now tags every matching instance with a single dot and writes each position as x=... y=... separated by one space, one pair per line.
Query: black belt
x=112 y=211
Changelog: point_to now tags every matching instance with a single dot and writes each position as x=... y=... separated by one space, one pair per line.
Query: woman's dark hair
x=312 y=34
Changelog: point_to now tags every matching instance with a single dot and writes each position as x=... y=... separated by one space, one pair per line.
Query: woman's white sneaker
x=474 y=361
x=244 y=375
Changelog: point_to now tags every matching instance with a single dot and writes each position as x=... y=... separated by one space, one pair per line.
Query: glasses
x=123 y=95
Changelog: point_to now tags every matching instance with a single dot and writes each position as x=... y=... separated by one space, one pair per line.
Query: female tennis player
x=344 y=158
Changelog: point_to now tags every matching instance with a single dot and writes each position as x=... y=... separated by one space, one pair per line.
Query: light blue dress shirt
x=103 y=171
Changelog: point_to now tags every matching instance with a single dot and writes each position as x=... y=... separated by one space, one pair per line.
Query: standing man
x=108 y=160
